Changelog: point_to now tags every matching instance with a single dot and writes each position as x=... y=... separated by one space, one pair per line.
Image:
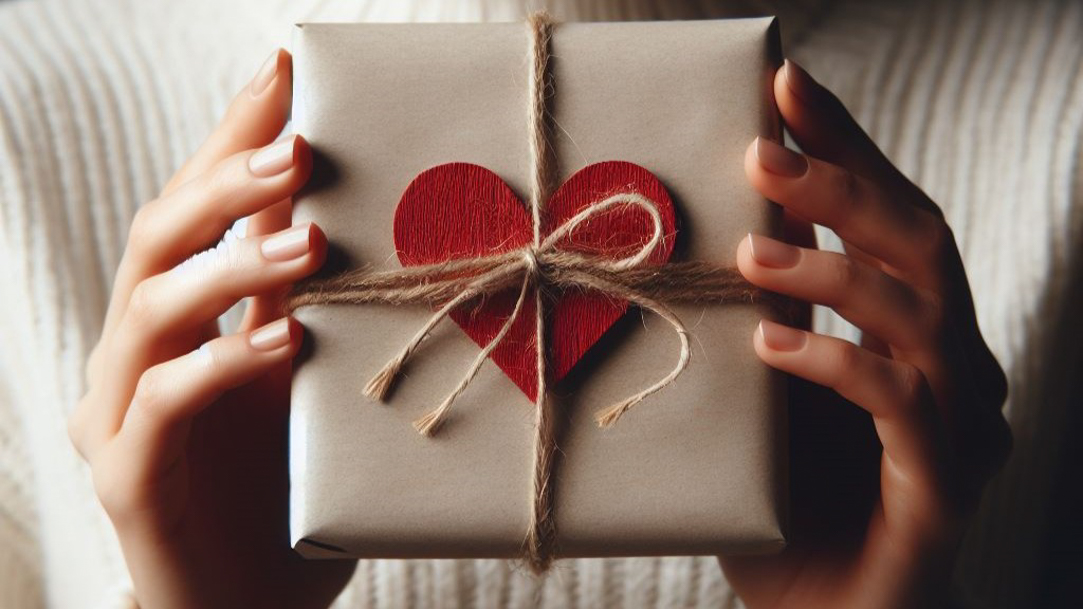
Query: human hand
x=185 y=430
x=880 y=506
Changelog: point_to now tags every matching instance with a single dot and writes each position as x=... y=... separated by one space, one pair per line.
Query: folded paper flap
x=697 y=469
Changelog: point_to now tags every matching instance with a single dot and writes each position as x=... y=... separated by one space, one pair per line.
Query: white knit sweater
x=981 y=102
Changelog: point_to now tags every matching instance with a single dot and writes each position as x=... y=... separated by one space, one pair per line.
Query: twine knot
x=530 y=259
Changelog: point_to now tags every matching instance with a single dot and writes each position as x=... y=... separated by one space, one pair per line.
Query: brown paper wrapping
x=699 y=468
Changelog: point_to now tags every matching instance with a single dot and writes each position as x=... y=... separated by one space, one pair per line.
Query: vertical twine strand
x=541 y=536
x=542 y=162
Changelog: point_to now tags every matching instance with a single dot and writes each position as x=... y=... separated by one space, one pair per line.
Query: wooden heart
x=461 y=210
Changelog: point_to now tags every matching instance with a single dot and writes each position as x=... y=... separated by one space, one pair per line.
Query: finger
x=894 y=393
x=823 y=127
x=254 y=118
x=262 y=308
x=153 y=436
x=912 y=243
x=858 y=209
x=872 y=300
x=913 y=323
x=207 y=285
x=167 y=309
x=167 y=231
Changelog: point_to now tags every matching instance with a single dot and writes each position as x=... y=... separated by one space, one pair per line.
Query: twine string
x=541 y=531
x=450 y=284
x=459 y=281
x=529 y=267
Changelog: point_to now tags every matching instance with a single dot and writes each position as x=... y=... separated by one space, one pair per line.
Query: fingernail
x=274 y=335
x=778 y=337
x=780 y=160
x=800 y=82
x=273 y=159
x=291 y=243
x=773 y=253
x=266 y=74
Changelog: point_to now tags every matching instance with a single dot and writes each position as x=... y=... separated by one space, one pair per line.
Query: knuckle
x=143 y=306
x=845 y=358
x=151 y=391
x=847 y=184
x=76 y=426
x=847 y=191
x=105 y=488
x=218 y=190
x=211 y=357
x=217 y=179
x=934 y=315
x=138 y=224
x=207 y=367
x=75 y=432
x=999 y=384
x=847 y=275
x=939 y=243
x=223 y=179
x=115 y=492
x=924 y=202
x=141 y=229
x=912 y=388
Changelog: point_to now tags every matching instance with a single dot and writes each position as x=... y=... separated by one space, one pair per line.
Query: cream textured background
x=980 y=102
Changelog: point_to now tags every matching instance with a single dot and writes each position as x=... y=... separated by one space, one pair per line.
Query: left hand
x=184 y=429
x=878 y=510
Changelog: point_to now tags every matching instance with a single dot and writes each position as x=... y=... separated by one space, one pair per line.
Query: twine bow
x=455 y=282
x=536 y=265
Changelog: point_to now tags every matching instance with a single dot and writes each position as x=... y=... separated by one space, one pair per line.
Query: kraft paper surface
x=699 y=468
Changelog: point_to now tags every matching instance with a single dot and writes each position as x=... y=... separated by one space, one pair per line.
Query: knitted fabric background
x=981 y=103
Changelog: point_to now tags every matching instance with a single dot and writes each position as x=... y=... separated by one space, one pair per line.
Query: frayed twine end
x=429 y=424
x=380 y=385
x=539 y=565
x=608 y=417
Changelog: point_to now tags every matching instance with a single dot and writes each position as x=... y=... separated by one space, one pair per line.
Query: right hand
x=185 y=430
x=881 y=498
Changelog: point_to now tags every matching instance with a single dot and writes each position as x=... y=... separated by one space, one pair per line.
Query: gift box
x=420 y=132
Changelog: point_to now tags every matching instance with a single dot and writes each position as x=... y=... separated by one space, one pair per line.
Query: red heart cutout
x=461 y=210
